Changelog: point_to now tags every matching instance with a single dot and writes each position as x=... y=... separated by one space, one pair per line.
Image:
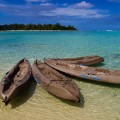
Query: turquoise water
x=101 y=101
x=16 y=45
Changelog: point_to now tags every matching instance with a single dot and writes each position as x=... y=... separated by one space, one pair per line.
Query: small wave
x=109 y=30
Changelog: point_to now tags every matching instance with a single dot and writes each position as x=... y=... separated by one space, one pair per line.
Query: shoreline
x=56 y=30
x=34 y=30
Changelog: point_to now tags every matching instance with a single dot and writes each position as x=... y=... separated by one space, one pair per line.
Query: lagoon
x=99 y=101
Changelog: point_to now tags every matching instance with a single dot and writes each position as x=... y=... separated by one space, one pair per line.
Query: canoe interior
x=15 y=76
x=48 y=72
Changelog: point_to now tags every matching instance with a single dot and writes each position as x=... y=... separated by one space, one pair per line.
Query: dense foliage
x=56 y=26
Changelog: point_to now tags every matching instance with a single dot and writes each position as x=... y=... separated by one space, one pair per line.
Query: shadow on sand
x=27 y=92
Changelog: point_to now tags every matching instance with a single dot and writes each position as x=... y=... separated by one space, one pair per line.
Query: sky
x=83 y=14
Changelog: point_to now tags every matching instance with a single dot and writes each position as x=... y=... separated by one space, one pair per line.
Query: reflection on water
x=99 y=101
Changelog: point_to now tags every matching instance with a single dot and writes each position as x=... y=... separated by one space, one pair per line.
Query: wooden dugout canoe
x=87 y=60
x=54 y=82
x=14 y=80
x=89 y=73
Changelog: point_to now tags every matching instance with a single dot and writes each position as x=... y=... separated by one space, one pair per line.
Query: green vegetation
x=56 y=26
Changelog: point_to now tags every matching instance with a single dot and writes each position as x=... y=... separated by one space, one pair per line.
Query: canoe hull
x=89 y=73
x=10 y=86
x=56 y=88
x=87 y=60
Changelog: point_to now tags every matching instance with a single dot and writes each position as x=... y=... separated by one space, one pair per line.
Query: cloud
x=82 y=4
x=46 y=4
x=81 y=13
x=3 y=5
x=79 y=10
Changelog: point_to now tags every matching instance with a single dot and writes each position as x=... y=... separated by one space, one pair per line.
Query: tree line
x=56 y=26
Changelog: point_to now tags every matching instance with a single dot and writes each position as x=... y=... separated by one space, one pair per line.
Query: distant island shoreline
x=35 y=30
x=36 y=27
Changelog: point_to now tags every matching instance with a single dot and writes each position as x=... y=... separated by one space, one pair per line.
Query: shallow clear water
x=99 y=101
